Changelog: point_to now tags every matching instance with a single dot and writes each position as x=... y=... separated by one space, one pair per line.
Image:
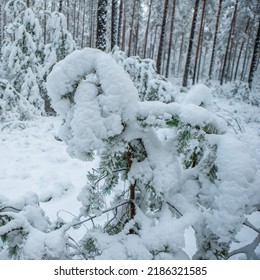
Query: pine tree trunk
x=255 y=58
x=241 y=50
x=120 y=22
x=79 y=23
x=113 y=23
x=131 y=30
x=212 y=60
x=247 y=54
x=60 y=6
x=180 y=55
x=101 y=25
x=68 y=14
x=147 y=28
x=223 y=74
x=200 y=57
x=162 y=37
x=199 y=41
x=170 y=39
x=189 y=52
x=124 y=29
x=74 y=18
x=1 y=26
x=83 y=24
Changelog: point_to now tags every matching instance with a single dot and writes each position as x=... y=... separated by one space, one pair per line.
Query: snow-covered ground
x=34 y=160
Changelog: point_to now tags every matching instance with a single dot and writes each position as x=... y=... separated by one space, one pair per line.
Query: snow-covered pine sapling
x=140 y=170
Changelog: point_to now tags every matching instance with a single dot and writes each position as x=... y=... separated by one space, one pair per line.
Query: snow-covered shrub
x=26 y=233
x=21 y=56
x=13 y=106
x=163 y=166
x=150 y=85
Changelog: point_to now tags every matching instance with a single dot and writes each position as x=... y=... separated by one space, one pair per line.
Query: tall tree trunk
x=45 y=24
x=113 y=23
x=131 y=30
x=101 y=25
x=60 y=6
x=199 y=41
x=255 y=58
x=1 y=26
x=154 y=42
x=162 y=37
x=189 y=52
x=147 y=28
x=223 y=74
x=83 y=24
x=170 y=39
x=241 y=49
x=78 y=21
x=124 y=29
x=68 y=14
x=200 y=57
x=212 y=60
x=74 y=18
x=120 y=22
x=180 y=55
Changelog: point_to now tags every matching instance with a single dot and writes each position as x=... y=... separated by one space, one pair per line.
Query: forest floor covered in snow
x=34 y=160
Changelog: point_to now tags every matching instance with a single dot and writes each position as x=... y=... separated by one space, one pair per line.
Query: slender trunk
x=233 y=64
x=74 y=18
x=212 y=60
x=147 y=28
x=170 y=39
x=247 y=53
x=131 y=30
x=68 y=14
x=180 y=55
x=255 y=58
x=28 y=3
x=60 y=6
x=113 y=23
x=91 y=35
x=45 y=24
x=120 y=22
x=137 y=36
x=200 y=56
x=78 y=21
x=189 y=52
x=154 y=42
x=101 y=25
x=1 y=26
x=124 y=28
x=162 y=37
x=199 y=41
x=223 y=74
x=83 y=24
x=131 y=188
x=241 y=49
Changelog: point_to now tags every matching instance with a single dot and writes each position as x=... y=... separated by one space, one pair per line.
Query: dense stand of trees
x=189 y=39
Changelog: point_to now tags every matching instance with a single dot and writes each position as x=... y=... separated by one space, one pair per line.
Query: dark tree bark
x=147 y=28
x=60 y=6
x=199 y=41
x=170 y=39
x=180 y=55
x=101 y=25
x=162 y=37
x=223 y=74
x=189 y=52
x=114 y=8
x=212 y=60
x=255 y=58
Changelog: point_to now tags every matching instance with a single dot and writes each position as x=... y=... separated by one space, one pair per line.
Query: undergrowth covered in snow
x=166 y=163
